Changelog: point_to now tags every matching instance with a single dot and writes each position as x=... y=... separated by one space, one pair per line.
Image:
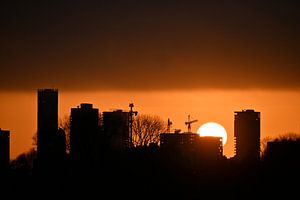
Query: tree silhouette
x=288 y=137
x=65 y=124
x=146 y=129
x=24 y=162
x=34 y=140
x=263 y=146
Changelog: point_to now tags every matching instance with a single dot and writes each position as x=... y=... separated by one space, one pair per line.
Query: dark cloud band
x=150 y=45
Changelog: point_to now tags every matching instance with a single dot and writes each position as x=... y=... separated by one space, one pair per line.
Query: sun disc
x=213 y=129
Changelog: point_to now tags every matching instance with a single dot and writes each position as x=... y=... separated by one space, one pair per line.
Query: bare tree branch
x=65 y=124
x=146 y=129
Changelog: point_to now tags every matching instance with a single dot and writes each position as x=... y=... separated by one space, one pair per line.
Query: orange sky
x=279 y=110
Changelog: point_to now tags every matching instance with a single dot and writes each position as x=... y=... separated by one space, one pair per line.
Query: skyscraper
x=247 y=135
x=51 y=144
x=47 y=123
x=116 y=128
x=4 y=150
x=84 y=134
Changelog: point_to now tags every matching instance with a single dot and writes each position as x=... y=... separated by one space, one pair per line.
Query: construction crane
x=131 y=114
x=169 y=125
x=189 y=122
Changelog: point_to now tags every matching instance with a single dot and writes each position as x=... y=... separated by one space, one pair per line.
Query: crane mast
x=131 y=114
x=189 y=122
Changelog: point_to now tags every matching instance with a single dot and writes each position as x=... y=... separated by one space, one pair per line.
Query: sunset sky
x=171 y=58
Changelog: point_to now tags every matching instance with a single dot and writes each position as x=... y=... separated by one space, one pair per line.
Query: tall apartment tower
x=116 y=128
x=4 y=150
x=47 y=123
x=84 y=134
x=247 y=135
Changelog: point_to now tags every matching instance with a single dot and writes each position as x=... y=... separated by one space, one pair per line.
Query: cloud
x=150 y=45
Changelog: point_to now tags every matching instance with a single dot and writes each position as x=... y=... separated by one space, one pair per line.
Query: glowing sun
x=213 y=129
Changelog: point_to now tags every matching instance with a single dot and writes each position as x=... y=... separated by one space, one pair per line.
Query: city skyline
x=87 y=133
x=71 y=72
x=92 y=145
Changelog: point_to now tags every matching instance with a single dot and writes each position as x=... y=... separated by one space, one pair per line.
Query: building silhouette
x=47 y=123
x=51 y=147
x=191 y=149
x=4 y=150
x=84 y=134
x=283 y=152
x=116 y=128
x=247 y=135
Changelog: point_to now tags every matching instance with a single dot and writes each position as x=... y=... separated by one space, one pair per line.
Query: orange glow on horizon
x=279 y=110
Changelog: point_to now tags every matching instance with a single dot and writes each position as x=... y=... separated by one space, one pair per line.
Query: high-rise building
x=4 y=150
x=247 y=135
x=84 y=134
x=116 y=128
x=47 y=123
x=51 y=141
